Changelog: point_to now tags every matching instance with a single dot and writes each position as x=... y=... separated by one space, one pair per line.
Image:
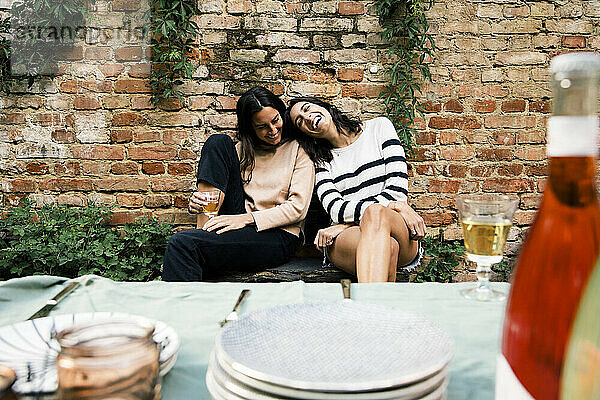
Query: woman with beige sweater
x=266 y=182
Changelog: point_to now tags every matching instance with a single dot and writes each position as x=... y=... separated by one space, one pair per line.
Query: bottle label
x=508 y=386
x=570 y=136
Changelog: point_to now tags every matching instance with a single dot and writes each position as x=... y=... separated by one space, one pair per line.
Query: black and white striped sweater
x=371 y=170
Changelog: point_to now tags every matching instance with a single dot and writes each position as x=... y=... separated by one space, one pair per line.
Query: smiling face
x=312 y=119
x=267 y=125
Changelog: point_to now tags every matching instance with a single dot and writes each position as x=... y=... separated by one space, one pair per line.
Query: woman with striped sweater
x=362 y=183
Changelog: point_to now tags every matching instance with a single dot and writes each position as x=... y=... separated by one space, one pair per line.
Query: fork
x=233 y=315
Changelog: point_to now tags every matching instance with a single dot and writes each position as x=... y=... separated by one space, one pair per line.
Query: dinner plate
x=334 y=346
x=219 y=392
x=257 y=390
x=29 y=348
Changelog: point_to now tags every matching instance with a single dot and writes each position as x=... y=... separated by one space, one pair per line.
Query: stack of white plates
x=345 y=350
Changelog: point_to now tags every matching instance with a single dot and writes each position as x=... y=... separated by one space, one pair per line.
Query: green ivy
x=74 y=241
x=173 y=32
x=443 y=256
x=4 y=55
x=504 y=268
x=405 y=27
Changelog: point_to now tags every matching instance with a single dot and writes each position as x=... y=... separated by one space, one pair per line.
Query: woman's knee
x=394 y=248
x=375 y=216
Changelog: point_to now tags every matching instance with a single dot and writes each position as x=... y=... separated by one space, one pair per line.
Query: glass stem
x=483 y=277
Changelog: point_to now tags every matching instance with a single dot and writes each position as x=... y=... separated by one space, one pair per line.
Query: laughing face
x=267 y=125
x=311 y=119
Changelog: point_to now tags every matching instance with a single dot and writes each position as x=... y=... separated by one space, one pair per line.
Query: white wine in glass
x=486 y=221
x=211 y=208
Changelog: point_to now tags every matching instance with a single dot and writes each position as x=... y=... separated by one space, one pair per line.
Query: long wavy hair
x=251 y=102
x=319 y=150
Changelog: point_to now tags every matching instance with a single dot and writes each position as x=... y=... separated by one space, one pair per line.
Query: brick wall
x=92 y=134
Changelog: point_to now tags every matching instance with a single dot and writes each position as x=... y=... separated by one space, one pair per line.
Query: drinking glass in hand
x=486 y=220
x=211 y=202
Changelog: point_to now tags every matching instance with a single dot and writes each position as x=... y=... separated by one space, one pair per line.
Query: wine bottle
x=562 y=244
x=581 y=371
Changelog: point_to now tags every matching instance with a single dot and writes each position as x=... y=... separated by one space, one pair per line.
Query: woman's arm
x=396 y=169
x=294 y=209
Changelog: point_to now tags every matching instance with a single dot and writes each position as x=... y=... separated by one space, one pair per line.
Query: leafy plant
x=405 y=26
x=4 y=55
x=504 y=268
x=58 y=240
x=443 y=256
x=173 y=31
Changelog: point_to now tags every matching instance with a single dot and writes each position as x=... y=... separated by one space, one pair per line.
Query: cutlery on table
x=52 y=302
x=233 y=315
x=346 y=284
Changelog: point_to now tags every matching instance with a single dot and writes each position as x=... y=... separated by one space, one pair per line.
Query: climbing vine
x=173 y=33
x=405 y=27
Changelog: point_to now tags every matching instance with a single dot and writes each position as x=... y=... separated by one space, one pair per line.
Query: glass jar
x=108 y=359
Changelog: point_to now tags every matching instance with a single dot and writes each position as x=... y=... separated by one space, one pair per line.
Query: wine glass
x=486 y=220
x=212 y=198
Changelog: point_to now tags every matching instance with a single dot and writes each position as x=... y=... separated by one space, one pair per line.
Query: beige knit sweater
x=279 y=193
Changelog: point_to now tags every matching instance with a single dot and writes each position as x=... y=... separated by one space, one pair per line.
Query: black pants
x=193 y=255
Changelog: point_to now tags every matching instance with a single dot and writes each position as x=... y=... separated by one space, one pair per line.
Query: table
x=193 y=309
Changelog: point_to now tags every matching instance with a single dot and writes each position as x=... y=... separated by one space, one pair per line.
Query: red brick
x=128 y=119
x=152 y=153
x=68 y=168
x=70 y=53
x=502 y=185
x=141 y=103
x=531 y=153
x=122 y=184
x=510 y=171
x=130 y=200
x=180 y=169
x=67 y=184
x=200 y=103
x=95 y=168
x=159 y=200
x=171 y=104
x=453 y=105
x=129 y=53
x=542 y=106
x=124 y=217
x=153 y=168
x=163 y=184
x=509 y=121
x=483 y=91
x=456 y=153
x=573 y=42
x=495 y=154
x=140 y=70
x=277 y=88
x=536 y=170
x=124 y=168
x=457 y=170
x=172 y=136
x=351 y=8
x=463 y=123
x=481 y=171
x=485 y=106
x=450 y=137
x=13 y=199
x=322 y=75
x=71 y=200
x=63 y=136
x=430 y=107
x=528 y=136
x=226 y=102
x=49 y=119
x=436 y=186
x=98 y=152
x=18 y=185
x=111 y=70
x=362 y=90
x=516 y=105
x=86 y=103
x=146 y=136
x=437 y=218
x=125 y=5
x=424 y=169
x=504 y=138
x=12 y=118
x=180 y=201
x=37 y=168
x=185 y=154
x=69 y=86
x=297 y=7
x=121 y=135
x=350 y=74
x=424 y=154
x=424 y=138
x=132 y=86
x=294 y=74
x=98 y=53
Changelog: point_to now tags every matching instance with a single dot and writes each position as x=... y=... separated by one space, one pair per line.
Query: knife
x=51 y=303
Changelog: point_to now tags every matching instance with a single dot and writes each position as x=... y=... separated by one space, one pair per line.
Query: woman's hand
x=414 y=222
x=226 y=223
x=326 y=236
x=197 y=202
